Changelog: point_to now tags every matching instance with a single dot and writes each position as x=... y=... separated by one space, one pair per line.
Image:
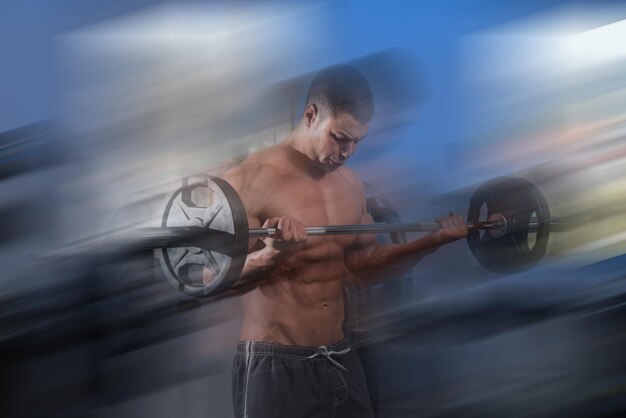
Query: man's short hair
x=342 y=89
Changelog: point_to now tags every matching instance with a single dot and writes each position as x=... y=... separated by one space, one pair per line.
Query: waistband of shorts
x=255 y=347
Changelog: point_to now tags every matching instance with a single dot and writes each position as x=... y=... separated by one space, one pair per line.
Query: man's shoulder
x=256 y=171
x=259 y=171
x=274 y=156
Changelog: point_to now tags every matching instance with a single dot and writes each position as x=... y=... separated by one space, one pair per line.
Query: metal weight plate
x=214 y=205
x=517 y=248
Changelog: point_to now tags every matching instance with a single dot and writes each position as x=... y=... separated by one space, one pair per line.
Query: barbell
x=204 y=228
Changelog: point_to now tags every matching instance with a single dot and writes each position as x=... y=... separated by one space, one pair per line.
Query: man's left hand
x=452 y=229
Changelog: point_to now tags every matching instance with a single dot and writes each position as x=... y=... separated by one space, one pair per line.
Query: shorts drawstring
x=323 y=351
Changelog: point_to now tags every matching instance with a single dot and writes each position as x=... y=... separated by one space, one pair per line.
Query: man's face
x=335 y=139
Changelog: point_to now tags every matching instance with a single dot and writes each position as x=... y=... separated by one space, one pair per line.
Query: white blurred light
x=603 y=45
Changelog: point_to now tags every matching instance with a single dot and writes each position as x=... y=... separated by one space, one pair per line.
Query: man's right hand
x=290 y=236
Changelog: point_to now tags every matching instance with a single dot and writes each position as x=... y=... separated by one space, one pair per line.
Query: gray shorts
x=276 y=381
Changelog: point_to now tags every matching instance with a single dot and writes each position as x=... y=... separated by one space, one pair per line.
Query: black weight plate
x=212 y=204
x=517 y=200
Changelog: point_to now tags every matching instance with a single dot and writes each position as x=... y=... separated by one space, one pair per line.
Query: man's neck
x=305 y=155
x=298 y=142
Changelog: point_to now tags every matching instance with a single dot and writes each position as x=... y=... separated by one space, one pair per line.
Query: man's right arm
x=254 y=183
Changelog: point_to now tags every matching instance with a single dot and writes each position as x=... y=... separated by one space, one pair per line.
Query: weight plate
x=517 y=249
x=212 y=204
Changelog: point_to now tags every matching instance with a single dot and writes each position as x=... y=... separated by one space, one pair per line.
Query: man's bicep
x=241 y=179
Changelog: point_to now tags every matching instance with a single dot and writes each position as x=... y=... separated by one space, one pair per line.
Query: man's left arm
x=370 y=261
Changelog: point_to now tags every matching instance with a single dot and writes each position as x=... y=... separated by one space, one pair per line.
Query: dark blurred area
x=138 y=100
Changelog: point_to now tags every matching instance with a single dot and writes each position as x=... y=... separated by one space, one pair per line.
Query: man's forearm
x=393 y=260
x=259 y=265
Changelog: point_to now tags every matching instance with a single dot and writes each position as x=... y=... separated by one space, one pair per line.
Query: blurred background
x=107 y=107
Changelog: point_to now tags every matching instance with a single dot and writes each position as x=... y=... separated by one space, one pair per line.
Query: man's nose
x=346 y=151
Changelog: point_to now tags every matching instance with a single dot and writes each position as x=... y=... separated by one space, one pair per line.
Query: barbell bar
x=389 y=228
x=180 y=236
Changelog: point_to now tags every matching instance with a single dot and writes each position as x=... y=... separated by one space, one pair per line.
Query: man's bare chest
x=329 y=202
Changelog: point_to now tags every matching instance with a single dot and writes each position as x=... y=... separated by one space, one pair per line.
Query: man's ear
x=310 y=114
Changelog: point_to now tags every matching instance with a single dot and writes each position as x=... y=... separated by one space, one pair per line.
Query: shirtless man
x=293 y=359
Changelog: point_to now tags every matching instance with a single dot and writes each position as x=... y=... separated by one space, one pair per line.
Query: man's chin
x=332 y=165
x=328 y=166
